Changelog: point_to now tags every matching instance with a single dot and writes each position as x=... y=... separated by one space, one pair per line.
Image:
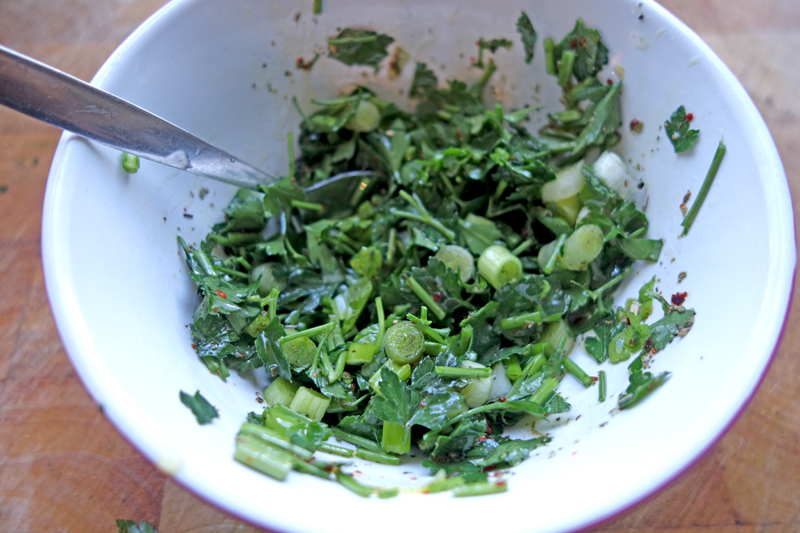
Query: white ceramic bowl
x=226 y=72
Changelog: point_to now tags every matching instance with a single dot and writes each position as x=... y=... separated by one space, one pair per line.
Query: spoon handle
x=52 y=96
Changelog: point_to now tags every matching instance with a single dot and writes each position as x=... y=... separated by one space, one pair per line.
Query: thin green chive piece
x=701 y=196
x=601 y=377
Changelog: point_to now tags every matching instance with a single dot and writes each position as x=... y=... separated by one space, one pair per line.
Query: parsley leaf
x=681 y=137
x=269 y=349
x=396 y=402
x=591 y=53
x=424 y=82
x=359 y=47
x=203 y=411
x=527 y=34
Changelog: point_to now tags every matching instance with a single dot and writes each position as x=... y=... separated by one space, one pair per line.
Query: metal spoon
x=49 y=95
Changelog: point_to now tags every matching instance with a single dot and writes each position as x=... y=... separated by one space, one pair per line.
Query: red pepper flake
x=220 y=293
x=648 y=344
x=194 y=346
x=678 y=298
x=689 y=117
x=573 y=44
x=501 y=399
x=215 y=309
x=438 y=297
x=609 y=81
x=500 y=484
x=628 y=321
x=482 y=438
x=583 y=42
x=489 y=429
x=422 y=403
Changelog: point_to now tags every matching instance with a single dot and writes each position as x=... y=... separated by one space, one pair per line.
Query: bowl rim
x=74 y=337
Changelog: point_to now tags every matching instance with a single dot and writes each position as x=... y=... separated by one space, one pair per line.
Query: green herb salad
x=440 y=308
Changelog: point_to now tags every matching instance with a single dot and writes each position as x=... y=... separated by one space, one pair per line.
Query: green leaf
x=203 y=411
x=129 y=526
x=681 y=137
x=663 y=331
x=359 y=47
x=527 y=34
x=605 y=120
x=396 y=402
x=646 y=249
x=245 y=211
x=479 y=233
x=452 y=447
x=348 y=305
x=367 y=262
x=591 y=53
x=439 y=408
x=424 y=82
x=511 y=452
x=269 y=349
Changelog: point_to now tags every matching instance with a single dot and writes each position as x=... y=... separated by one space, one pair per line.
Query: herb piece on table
x=527 y=34
x=681 y=137
x=130 y=162
x=129 y=526
x=359 y=47
x=491 y=45
x=202 y=410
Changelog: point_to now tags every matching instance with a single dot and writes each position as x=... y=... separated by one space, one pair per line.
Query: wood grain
x=63 y=467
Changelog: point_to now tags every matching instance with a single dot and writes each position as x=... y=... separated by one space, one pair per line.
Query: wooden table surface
x=63 y=467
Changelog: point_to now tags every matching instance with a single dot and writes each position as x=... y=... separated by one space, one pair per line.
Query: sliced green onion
x=311 y=403
x=299 y=351
x=582 y=247
x=366 y=118
x=499 y=266
x=404 y=343
x=361 y=354
x=457 y=259
x=280 y=391
x=553 y=334
x=477 y=391
x=130 y=163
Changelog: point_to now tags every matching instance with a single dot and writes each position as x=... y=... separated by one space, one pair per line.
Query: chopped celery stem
x=565 y=68
x=544 y=392
x=549 y=58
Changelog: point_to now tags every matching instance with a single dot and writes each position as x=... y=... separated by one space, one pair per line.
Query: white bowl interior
x=226 y=72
